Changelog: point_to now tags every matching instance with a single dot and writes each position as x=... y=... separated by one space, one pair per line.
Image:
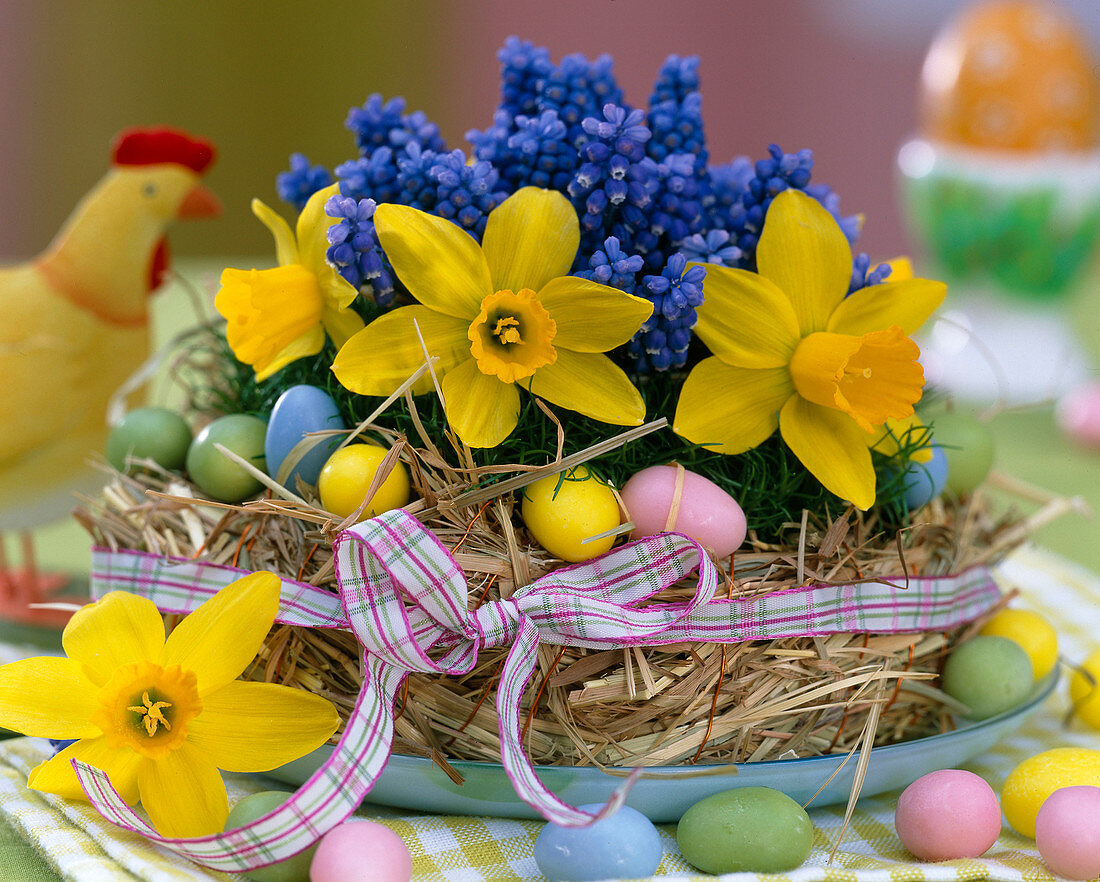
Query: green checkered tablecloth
x=84 y=848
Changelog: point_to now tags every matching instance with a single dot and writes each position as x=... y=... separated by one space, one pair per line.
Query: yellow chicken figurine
x=74 y=326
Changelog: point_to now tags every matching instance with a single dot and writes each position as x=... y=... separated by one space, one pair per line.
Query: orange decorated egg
x=1012 y=76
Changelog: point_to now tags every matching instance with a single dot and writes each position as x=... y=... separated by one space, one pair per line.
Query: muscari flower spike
x=377 y=124
x=370 y=177
x=523 y=68
x=677 y=78
x=610 y=265
x=354 y=249
x=577 y=89
x=663 y=341
x=301 y=181
x=537 y=153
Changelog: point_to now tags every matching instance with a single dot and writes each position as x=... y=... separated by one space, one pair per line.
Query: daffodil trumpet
x=791 y=351
x=162 y=716
x=499 y=315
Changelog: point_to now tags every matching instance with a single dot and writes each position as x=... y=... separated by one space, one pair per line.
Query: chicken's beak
x=199 y=202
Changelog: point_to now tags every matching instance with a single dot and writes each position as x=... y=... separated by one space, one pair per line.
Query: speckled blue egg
x=924 y=481
x=625 y=845
x=299 y=411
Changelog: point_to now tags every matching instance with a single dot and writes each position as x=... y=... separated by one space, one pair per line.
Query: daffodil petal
x=219 y=639
x=592 y=317
x=745 y=319
x=255 y=727
x=383 y=355
x=286 y=250
x=803 y=250
x=337 y=291
x=832 y=447
x=118 y=629
x=530 y=238
x=47 y=696
x=481 y=409
x=56 y=775
x=312 y=229
x=341 y=324
x=730 y=409
x=184 y=794
x=592 y=385
x=901 y=268
x=439 y=262
x=309 y=343
x=910 y=430
x=907 y=303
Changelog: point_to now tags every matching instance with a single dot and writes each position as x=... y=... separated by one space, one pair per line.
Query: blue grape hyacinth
x=354 y=248
x=301 y=181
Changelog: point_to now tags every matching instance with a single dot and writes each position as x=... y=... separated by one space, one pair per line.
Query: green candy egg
x=989 y=675
x=218 y=476
x=154 y=433
x=293 y=869
x=746 y=830
x=968 y=445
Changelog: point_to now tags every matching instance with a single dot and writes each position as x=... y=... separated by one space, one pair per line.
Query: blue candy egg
x=299 y=411
x=623 y=846
x=924 y=481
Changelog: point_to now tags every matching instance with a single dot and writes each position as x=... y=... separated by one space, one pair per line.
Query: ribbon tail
x=514 y=677
x=333 y=792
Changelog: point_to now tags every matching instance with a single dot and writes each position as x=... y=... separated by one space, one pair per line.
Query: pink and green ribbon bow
x=405 y=598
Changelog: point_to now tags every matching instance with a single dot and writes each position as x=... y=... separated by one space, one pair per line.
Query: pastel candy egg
x=989 y=675
x=1032 y=781
x=361 y=851
x=1085 y=693
x=299 y=411
x=218 y=476
x=968 y=446
x=1034 y=634
x=346 y=479
x=251 y=808
x=947 y=815
x=624 y=845
x=1078 y=415
x=706 y=512
x=1067 y=832
x=924 y=481
x=563 y=510
x=746 y=830
x=154 y=433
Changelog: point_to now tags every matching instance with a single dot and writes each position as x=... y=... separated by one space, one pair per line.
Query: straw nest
x=680 y=704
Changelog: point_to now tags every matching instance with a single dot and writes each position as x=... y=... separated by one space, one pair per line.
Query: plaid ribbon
x=403 y=596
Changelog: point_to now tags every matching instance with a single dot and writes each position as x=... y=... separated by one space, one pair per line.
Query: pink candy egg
x=1067 y=832
x=948 y=814
x=1078 y=415
x=706 y=512
x=361 y=851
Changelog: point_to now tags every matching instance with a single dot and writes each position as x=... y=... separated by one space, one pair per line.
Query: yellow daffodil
x=498 y=315
x=279 y=315
x=160 y=717
x=791 y=351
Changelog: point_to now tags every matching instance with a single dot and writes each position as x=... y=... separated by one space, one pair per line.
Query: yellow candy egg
x=1032 y=632
x=1086 y=695
x=1011 y=76
x=563 y=510
x=347 y=476
x=1036 y=778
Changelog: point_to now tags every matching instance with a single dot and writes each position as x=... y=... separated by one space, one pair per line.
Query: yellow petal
x=220 y=638
x=184 y=794
x=906 y=431
x=255 y=727
x=530 y=238
x=481 y=409
x=730 y=409
x=832 y=447
x=310 y=343
x=312 y=229
x=901 y=268
x=803 y=250
x=439 y=262
x=379 y=358
x=341 y=324
x=745 y=319
x=49 y=697
x=907 y=303
x=592 y=317
x=56 y=775
x=286 y=250
x=592 y=385
x=119 y=629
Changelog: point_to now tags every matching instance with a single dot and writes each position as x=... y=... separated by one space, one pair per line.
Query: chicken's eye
x=150 y=190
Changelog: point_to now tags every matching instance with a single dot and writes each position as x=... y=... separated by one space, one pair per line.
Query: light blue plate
x=664 y=793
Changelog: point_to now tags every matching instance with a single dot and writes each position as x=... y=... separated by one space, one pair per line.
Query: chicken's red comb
x=149 y=146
